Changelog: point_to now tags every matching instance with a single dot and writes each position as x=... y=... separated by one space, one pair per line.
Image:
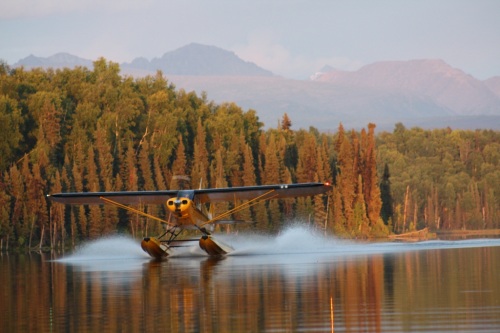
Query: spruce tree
x=386 y=211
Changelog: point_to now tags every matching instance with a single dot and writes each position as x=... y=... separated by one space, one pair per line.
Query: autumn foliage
x=95 y=130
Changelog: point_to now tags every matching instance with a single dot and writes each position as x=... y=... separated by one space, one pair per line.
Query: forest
x=95 y=130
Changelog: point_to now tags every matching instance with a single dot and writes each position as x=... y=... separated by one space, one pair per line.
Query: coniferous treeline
x=95 y=130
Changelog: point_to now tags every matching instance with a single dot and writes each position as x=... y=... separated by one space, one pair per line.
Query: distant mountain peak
x=58 y=60
x=200 y=60
x=197 y=47
x=323 y=70
x=431 y=78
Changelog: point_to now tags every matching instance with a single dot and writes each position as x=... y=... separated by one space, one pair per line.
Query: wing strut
x=133 y=210
x=244 y=205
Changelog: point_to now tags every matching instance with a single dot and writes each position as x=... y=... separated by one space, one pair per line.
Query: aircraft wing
x=203 y=195
x=124 y=198
x=277 y=191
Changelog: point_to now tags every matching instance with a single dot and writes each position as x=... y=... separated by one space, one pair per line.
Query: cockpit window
x=186 y=194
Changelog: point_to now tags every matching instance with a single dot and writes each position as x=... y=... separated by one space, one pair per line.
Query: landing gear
x=159 y=248
x=211 y=246
x=154 y=247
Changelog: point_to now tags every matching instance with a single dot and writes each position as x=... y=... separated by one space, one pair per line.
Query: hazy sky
x=292 y=38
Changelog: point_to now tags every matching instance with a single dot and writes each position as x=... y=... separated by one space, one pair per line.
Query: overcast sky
x=292 y=38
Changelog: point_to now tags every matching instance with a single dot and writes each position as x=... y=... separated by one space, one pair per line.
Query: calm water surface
x=296 y=282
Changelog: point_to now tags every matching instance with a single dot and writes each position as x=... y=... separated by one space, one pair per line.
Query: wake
x=106 y=248
x=303 y=240
x=293 y=240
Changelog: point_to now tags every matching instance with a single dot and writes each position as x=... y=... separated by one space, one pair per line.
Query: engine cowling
x=180 y=206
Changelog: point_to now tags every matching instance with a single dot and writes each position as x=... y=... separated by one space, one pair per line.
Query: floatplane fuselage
x=188 y=215
x=188 y=210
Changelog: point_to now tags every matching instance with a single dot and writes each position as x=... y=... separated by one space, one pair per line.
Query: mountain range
x=427 y=93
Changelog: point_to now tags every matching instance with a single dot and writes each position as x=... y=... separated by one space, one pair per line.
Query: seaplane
x=190 y=210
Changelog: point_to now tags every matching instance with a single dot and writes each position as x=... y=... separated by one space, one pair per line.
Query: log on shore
x=412 y=235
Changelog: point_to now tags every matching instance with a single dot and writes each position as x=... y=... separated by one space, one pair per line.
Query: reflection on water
x=297 y=281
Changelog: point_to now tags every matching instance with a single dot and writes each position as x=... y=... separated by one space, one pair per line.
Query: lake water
x=295 y=282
